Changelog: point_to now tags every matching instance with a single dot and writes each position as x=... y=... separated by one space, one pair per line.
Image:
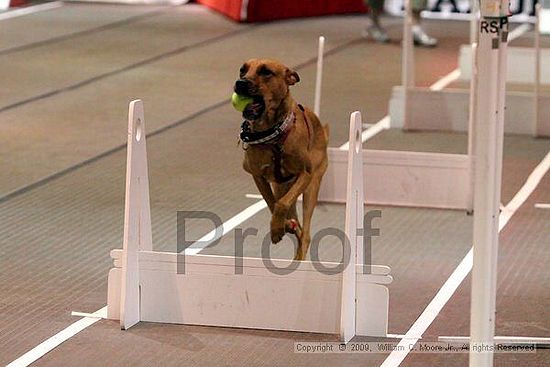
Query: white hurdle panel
x=400 y=178
x=144 y=285
x=412 y=108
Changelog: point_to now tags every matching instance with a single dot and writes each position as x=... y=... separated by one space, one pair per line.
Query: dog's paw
x=277 y=234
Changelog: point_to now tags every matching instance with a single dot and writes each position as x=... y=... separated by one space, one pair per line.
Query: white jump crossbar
x=145 y=285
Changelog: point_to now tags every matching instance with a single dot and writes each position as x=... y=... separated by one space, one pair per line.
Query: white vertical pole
x=488 y=170
x=472 y=125
x=537 y=65
x=137 y=216
x=474 y=13
x=319 y=78
x=407 y=62
x=354 y=221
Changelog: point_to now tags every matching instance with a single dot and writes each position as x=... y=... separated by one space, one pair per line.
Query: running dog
x=285 y=147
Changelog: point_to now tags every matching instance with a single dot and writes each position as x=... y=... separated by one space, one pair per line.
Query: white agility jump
x=527 y=112
x=399 y=178
x=145 y=285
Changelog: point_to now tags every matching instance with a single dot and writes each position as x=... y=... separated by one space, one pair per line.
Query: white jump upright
x=137 y=216
x=354 y=217
x=491 y=63
x=319 y=76
x=145 y=285
x=407 y=61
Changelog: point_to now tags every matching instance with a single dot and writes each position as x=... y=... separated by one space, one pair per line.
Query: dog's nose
x=242 y=86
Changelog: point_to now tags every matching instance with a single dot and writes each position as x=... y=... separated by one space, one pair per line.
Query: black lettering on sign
x=493 y=25
x=503 y=22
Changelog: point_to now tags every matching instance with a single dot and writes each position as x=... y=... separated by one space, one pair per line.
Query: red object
x=17 y=3
x=265 y=10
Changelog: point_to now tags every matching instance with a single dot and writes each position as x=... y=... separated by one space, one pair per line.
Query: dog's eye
x=265 y=72
x=243 y=70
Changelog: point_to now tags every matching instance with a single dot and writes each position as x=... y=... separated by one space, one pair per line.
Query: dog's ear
x=292 y=77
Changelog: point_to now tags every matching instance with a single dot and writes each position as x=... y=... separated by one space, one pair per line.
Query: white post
x=488 y=170
x=407 y=61
x=137 y=216
x=319 y=78
x=538 y=8
x=474 y=13
x=354 y=221
x=472 y=125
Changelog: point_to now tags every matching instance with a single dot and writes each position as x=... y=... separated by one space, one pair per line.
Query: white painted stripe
x=532 y=181
x=518 y=31
x=402 y=336
x=210 y=237
x=30 y=10
x=446 y=80
x=542 y=206
x=253 y=196
x=99 y=314
x=48 y=345
x=459 y=274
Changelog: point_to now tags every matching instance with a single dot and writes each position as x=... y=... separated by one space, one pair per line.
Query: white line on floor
x=30 y=9
x=41 y=349
x=99 y=314
x=542 y=206
x=518 y=31
x=459 y=274
x=446 y=80
x=233 y=222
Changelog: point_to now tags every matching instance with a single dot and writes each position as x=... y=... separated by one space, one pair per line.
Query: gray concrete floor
x=68 y=76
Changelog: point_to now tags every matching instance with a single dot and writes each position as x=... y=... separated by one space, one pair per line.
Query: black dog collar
x=266 y=136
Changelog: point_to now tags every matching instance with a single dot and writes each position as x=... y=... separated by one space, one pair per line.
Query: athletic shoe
x=376 y=33
x=422 y=39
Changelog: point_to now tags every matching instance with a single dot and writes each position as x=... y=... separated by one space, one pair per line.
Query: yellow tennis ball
x=240 y=102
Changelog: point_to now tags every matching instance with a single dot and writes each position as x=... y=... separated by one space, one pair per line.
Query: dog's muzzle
x=244 y=87
x=254 y=110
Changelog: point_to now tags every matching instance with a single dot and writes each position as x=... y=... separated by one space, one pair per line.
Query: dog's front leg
x=282 y=206
x=265 y=189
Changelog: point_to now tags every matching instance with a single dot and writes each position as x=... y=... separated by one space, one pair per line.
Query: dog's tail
x=326 y=129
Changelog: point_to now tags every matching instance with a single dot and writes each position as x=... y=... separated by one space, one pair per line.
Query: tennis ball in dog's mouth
x=240 y=102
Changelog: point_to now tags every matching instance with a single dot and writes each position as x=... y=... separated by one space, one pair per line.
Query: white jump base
x=144 y=285
x=210 y=293
x=521 y=64
x=403 y=178
x=448 y=109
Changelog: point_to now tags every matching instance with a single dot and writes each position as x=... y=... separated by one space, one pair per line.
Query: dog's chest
x=269 y=163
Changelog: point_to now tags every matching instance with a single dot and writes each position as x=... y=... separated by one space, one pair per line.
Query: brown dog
x=285 y=147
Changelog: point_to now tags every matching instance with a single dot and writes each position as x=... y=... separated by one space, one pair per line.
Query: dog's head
x=267 y=82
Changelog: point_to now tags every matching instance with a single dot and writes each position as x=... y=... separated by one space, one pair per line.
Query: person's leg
x=376 y=31
x=420 y=37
